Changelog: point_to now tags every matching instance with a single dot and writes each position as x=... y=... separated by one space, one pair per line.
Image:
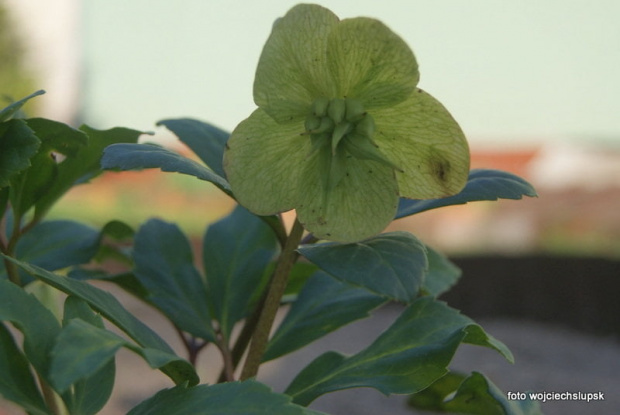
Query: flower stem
x=275 y=292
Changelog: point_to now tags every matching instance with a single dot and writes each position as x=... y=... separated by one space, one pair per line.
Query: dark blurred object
x=581 y=293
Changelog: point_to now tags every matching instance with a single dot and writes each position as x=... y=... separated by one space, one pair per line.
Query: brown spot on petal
x=441 y=169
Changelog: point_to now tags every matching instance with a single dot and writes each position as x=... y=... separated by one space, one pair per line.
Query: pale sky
x=508 y=71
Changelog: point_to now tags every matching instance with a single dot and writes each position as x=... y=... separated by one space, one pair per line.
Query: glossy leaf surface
x=409 y=356
x=392 y=264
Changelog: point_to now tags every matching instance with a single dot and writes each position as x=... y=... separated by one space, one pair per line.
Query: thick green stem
x=275 y=292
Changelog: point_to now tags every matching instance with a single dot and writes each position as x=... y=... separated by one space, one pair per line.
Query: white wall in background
x=51 y=31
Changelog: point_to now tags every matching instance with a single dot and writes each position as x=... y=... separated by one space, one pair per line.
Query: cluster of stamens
x=340 y=129
x=331 y=121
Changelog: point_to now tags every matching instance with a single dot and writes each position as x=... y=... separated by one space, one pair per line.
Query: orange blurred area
x=575 y=213
x=577 y=210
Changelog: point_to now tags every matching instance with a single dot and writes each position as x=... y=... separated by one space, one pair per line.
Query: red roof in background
x=512 y=160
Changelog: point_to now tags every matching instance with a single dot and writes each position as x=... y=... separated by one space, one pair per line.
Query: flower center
x=337 y=122
x=341 y=129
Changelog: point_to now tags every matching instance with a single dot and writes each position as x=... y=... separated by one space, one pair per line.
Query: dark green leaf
x=35 y=321
x=58 y=141
x=8 y=112
x=164 y=265
x=442 y=273
x=475 y=395
x=433 y=397
x=118 y=230
x=236 y=251
x=115 y=240
x=391 y=264
x=206 y=140
x=16 y=382
x=233 y=398
x=125 y=280
x=483 y=184
x=58 y=137
x=4 y=199
x=92 y=392
x=103 y=302
x=83 y=350
x=147 y=156
x=323 y=306
x=18 y=144
x=409 y=356
x=87 y=162
x=58 y=244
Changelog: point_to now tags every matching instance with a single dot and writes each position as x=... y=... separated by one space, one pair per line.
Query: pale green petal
x=371 y=63
x=292 y=71
x=362 y=204
x=262 y=163
x=420 y=136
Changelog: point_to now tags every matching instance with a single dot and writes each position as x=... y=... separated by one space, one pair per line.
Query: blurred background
x=533 y=84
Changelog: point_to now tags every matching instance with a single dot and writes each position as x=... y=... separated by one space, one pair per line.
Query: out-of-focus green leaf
x=391 y=264
x=409 y=356
x=148 y=156
x=8 y=112
x=179 y=371
x=323 y=306
x=18 y=144
x=164 y=265
x=474 y=395
x=233 y=398
x=441 y=275
x=117 y=230
x=483 y=184
x=206 y=140
x=236 y=251
x=16 y=382
x=91 y=392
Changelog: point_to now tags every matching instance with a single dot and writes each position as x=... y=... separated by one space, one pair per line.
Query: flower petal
x=371 y=63
x=292 y=70
x=361 y=205
x=262 y=162
x=420 y=136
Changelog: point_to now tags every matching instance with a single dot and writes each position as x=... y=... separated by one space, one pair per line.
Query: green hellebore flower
x=341 y=131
